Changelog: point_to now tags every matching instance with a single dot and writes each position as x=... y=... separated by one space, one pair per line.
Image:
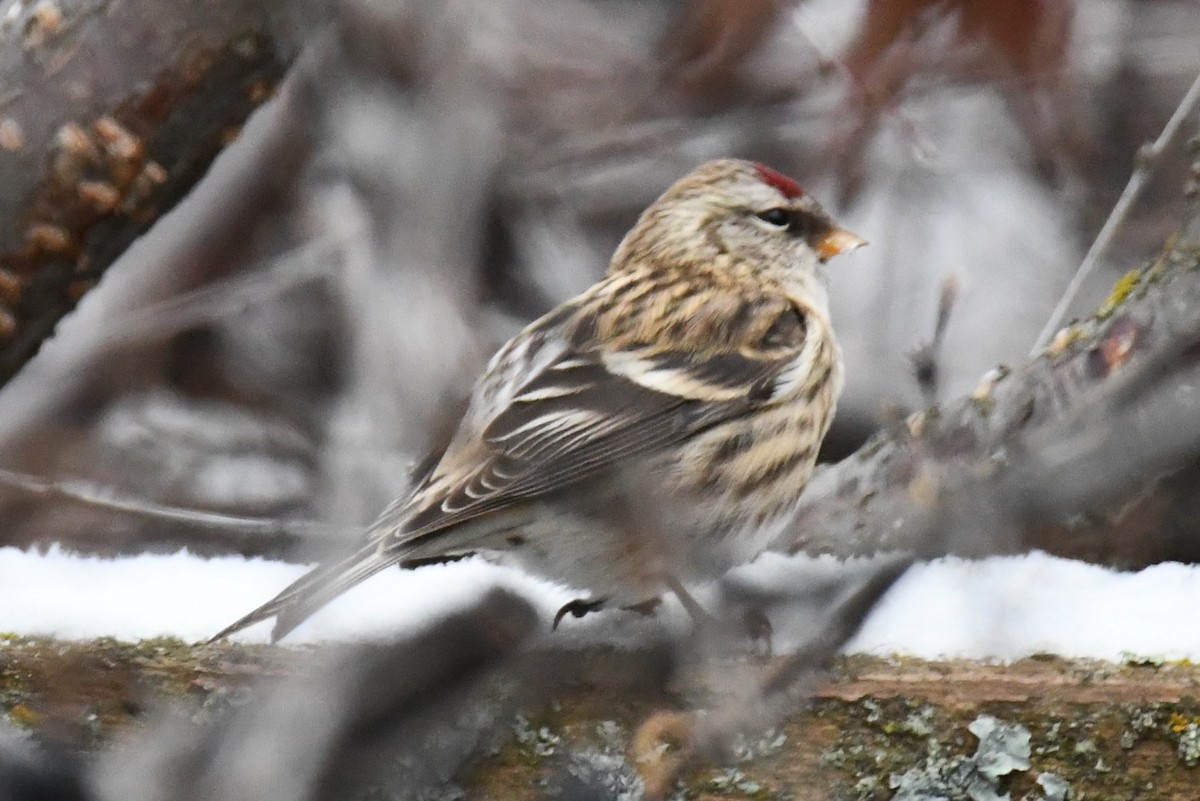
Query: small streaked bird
x=701 y=368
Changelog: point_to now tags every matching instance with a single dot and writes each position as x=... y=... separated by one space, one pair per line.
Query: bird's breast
x=753 y=468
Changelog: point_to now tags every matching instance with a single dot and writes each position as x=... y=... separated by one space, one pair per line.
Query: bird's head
x=739 y=212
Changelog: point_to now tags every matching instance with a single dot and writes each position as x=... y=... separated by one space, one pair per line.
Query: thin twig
x=314 y=260
x=1147 y=159
x=110 y=500
x=925 y=358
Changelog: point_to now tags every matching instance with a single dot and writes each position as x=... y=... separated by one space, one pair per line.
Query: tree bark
x=110 y=110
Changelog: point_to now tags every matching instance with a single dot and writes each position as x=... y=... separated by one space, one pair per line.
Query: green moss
x=1120 y=293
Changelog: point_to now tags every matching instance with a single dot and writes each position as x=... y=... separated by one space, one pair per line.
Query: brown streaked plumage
x=703 y=362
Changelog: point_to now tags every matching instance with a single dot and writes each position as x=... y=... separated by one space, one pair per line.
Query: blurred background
x=257 y=373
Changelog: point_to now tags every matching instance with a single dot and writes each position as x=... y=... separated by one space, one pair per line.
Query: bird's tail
x=300 y=599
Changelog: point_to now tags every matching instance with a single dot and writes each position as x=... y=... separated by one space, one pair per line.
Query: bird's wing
x=578 y=405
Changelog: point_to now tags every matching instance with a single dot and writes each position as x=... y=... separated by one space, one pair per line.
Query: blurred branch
x=710 y=39
x=405 y=717
x=260 y=533
x=925 y=359
x=1148 y=157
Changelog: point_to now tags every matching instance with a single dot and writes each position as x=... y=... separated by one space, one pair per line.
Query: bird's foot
x=578 y=608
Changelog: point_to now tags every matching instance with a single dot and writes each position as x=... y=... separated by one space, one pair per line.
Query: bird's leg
x=754 y=623
x=578 y=608
x=699 y=613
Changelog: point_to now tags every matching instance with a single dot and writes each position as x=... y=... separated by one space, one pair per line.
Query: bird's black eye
x=777 y=216
x=797 y=223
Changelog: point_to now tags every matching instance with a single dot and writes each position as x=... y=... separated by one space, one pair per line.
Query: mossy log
x=1109 y=731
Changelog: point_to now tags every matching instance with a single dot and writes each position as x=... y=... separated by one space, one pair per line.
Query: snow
x=1006 y=608
x=65 y=595
x=1001 y=608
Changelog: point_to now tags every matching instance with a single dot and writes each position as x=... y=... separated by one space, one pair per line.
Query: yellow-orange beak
x=837 y=241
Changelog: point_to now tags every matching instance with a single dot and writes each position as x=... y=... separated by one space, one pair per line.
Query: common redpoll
x=703 y=360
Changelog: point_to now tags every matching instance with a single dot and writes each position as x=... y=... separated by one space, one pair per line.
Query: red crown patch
x=789 y=188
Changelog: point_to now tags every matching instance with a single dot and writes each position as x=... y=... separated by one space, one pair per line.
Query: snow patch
x=1001 y=608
